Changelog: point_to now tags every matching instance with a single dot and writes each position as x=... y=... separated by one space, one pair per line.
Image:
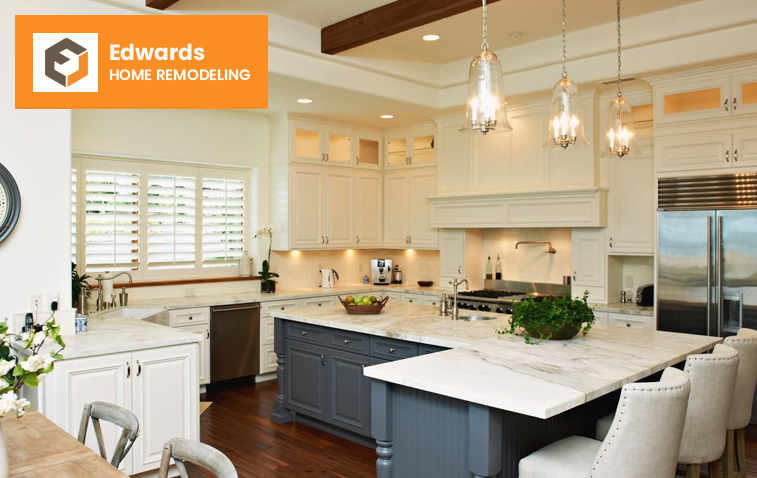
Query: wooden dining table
x=38 y=448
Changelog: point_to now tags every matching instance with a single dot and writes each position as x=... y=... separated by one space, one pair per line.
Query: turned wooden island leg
x=280 y=412
x=382 y=427
x=484 y=441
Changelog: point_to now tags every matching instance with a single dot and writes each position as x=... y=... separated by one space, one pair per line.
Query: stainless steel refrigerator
x=707 y=256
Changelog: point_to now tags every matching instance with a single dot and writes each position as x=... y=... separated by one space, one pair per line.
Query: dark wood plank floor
x=238 y=424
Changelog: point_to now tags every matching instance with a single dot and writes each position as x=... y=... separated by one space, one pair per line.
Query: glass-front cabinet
x=368 y=151
x=744 y=92
x=693 y=100
x=338 y=148
x=307 y=145
x=414 y=149
x=332 y=145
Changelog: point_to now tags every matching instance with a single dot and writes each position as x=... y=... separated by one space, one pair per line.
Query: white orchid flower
x=6 y=366
x=8 y=402
x=37 y=362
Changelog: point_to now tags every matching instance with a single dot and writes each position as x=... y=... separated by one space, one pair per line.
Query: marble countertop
x=503 y=371
x=282 y=294
x=122 y=334
x=625 y=308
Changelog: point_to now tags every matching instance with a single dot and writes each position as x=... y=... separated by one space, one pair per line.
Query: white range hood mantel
x=578 y=207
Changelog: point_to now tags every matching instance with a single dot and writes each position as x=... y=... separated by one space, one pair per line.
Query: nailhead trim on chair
x=620 y=420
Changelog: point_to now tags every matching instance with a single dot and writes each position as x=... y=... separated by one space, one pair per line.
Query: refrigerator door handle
x=709 y=272
x=719 y=256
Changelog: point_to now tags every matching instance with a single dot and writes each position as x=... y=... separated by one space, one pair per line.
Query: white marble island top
x=503 y=371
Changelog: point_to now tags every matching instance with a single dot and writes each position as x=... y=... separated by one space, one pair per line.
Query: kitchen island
x=476 y=408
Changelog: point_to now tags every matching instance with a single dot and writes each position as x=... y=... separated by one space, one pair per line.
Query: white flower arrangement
x=16 y=372
x=264 y=231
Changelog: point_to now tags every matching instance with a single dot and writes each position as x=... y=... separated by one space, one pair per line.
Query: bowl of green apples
x=363 y=305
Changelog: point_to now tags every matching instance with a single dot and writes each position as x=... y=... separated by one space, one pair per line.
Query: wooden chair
x=120 y=417
x=741 y=406
x=196 y=453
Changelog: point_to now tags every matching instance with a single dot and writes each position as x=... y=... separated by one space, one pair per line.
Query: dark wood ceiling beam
x=160 y=4
x=388 y=20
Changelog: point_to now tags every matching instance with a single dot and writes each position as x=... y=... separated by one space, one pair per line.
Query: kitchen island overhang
x=490 y=400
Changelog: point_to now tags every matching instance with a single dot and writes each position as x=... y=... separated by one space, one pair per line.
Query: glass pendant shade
x=566 y=126
x=485 y=110
x=621 y=134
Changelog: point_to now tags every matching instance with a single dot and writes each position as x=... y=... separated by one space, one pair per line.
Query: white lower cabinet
x=196 y=320
x=203 y=367
x=602 y=318
x=159 y=386
x=631 y=321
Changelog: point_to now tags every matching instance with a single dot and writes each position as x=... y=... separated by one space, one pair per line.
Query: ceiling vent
x=614 y=81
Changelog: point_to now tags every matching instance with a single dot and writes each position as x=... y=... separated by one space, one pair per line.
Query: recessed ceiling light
x=305 y=101
x=515 y=35
x=430 y=37
x=387 y=116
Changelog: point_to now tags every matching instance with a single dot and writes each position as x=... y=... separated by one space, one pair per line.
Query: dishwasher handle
x=234 y=309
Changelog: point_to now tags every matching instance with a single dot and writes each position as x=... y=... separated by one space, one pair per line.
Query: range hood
x=570 y=207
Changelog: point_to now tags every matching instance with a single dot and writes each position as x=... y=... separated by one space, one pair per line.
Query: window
x=157 y=220
x=222 y=222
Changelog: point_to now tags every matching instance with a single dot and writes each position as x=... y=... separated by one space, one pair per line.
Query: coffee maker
x=381 y=271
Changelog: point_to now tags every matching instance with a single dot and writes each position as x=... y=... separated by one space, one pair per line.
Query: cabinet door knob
x=346 y=341
x=207 y=333
x=139 y=368
x=304 y=333
x=391 y=351
x=128 y=370
x=323 y=359
x=725 y=105
x=358 y=239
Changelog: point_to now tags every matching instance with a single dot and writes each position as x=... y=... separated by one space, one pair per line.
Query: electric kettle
x=327 y=278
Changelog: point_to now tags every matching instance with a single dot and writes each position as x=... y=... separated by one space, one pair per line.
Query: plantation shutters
x=74 y=180
x=223 y=219
x=171 y=212
x=111 y=219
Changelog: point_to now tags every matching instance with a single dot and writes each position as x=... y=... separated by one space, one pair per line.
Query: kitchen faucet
x=455 y=284
x=550 y=249
x=101 y=303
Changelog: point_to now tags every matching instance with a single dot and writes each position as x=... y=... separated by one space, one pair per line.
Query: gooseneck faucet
x=455 y=284
x=102 y=303
x=550 y=249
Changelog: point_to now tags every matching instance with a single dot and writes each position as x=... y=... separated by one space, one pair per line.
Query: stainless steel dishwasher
x=234 y=341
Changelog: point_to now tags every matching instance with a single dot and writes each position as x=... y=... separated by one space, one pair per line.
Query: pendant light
x=485 y=110
x=621 y=135
x=566 y=126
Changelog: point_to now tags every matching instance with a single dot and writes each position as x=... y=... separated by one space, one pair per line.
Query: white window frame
x=145 y=167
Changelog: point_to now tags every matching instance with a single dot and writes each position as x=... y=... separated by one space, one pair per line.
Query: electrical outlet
x=189 y=292
x=37 y=305
x=628 y=282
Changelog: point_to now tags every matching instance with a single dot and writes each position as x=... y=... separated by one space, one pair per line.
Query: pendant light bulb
x=566 y=126
x=485 y=110
x=620 y=131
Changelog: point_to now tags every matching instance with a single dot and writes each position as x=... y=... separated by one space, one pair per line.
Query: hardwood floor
x=238 y=424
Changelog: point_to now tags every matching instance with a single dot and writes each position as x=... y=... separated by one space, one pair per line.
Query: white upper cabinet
x=306 y=202
x=721 y=150
x=454 y=157
x=590 y=264
x=744 y=92
x=308 y=145
x=338 y=205
x=745 y=148
x=338 y=148
x=692 y=99
x=632 y=208
x=368 y=151
x=407 y=210
x=410 y=148
x=331 y=145
x=452 y=254
x=368 y=206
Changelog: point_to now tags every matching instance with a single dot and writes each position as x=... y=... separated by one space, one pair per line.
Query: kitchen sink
x=472 y=318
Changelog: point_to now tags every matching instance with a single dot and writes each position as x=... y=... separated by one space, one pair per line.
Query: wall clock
x=10 y=203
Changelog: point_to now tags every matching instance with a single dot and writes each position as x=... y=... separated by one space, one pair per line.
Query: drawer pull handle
x=283 y=308
x=323 y=359
x=128 y=370
x=139 y=368
x=304 y=333
x=207 y=333
x=190 y=317
x=319 y=304
x=391 y=350
x=627 y=324
x=346 y=341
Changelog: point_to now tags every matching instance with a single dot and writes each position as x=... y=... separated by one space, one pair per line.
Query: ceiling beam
x=388 y=20
x=160 y=4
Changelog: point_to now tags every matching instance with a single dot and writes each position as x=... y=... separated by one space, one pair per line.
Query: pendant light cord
x=620 y=92
x=485 y=44
x=564 y=54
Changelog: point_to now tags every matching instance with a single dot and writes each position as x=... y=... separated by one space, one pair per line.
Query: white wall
x=530 y=263
x=35 y=145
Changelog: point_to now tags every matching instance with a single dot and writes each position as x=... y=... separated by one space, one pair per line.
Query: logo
x=55 y=56
x=65 y=62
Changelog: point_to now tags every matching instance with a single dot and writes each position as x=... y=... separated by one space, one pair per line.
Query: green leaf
x=31 y=380
x=18 y=371
x=59 y=341
x=57 y=356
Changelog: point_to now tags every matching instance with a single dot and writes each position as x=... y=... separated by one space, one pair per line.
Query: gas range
x=501 y=296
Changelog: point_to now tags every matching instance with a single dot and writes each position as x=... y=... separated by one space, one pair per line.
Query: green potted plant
x=267 y=279
x=78 y=282
x=551 y=318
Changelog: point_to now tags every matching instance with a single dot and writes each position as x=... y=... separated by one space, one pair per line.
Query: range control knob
x=462 y=305
x=509 y=310
x=500 y=310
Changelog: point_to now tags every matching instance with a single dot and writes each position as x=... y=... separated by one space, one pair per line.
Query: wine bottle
x=499 y=269
x=489 y=268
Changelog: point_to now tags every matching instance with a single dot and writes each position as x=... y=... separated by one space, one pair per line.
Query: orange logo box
x=142 y=61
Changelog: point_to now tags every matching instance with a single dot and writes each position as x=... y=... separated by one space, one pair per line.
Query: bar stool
x=713 y=377
x=116 y=415
x=196 y=453
x=638 y=445
x=741 y=405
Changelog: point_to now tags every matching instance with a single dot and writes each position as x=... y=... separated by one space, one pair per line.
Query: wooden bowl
x=425 y=283
x=364 y=309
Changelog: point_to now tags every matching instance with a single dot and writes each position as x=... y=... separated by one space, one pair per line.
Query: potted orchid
x=267 y=277
x=25 y=368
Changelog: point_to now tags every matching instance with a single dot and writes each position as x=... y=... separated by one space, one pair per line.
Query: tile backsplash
x=530 y=263
x=299 y=269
